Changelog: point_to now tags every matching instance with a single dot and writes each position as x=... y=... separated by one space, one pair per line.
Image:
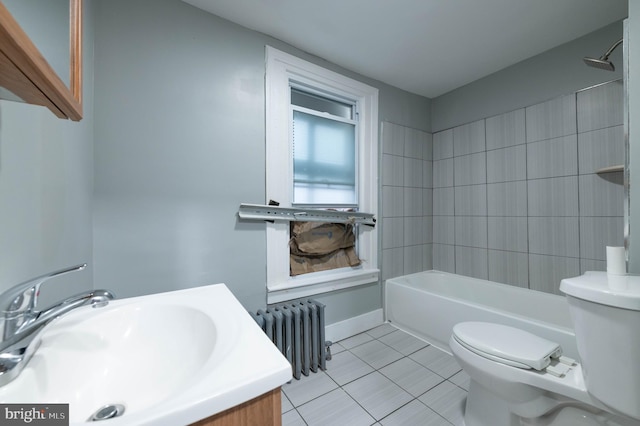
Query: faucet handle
x=24 y=296
x=21 y=299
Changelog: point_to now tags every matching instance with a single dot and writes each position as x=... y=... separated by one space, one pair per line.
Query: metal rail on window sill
x=289 y=214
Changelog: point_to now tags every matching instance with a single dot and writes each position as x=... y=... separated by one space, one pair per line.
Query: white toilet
x=518 y=378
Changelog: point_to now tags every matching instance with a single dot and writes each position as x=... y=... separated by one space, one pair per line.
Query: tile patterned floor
x=381 y=377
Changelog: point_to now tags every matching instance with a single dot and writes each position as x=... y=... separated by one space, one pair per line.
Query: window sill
x=301 y=286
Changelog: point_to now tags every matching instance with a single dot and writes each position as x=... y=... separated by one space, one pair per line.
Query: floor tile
x=381 y=330
x=411 y=376
x=335 y=408
x=377 y=394
x=346 y=367
x=336 y=348
x=286 y=404
x=353 y=341
x=376 y=354
x=403 y=342
x=448 y=400
x=308 y=388
x=373 y=379
x=437 y=361
x=414 y=413
x=292 y=418
x=461 y=379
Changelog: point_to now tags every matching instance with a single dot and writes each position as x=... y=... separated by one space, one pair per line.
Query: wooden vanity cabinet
x=265 y=410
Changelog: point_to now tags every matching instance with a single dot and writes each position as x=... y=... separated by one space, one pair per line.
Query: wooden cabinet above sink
x=26 y=75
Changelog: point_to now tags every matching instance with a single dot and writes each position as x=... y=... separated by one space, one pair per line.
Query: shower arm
x=611 y=49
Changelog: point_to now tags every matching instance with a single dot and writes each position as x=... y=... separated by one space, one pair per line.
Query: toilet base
x=484 y=408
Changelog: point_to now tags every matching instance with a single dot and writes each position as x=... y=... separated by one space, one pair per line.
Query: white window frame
x=281 y=69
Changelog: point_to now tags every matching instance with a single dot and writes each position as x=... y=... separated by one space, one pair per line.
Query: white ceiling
x=427 y=47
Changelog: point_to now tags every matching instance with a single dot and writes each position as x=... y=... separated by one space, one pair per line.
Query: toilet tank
x=605 y=310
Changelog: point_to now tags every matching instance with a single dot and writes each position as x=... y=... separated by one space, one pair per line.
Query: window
x=305 y=168
x=323 y=142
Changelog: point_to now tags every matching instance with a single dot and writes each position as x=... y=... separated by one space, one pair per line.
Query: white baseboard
x=352 y=326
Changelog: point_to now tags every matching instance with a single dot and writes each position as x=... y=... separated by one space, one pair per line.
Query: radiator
x=297 y=329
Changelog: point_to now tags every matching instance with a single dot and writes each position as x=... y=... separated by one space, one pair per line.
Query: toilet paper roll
x=616 y=261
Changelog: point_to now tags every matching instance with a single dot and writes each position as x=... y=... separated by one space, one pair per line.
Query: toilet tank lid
x=621 y=291
x=507 y=345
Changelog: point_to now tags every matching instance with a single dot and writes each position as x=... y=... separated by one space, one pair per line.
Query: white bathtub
x=428 y=305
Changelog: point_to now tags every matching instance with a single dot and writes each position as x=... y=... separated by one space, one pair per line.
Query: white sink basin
x=169 y=358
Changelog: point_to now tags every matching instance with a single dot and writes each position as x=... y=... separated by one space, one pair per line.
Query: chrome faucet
x=22 y=321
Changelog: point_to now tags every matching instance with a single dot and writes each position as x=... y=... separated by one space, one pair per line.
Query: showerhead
x=603 y=62
x=599 y=63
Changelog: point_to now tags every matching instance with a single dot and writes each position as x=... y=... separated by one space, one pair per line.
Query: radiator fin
x=297 y=330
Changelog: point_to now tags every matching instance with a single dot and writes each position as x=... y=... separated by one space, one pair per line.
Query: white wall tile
x=413 y=259
x=508 y=233
x=471 y=231
x=413 y=201
x=601 y=106
x=546 y=272
x=427 y=257
x=592 y=265
x=392 y=201
x=507 y=199
x=444 y=230
x=602 y=195
x=506 y=130
x=596 y=233
x=470 y=169
x=443 y=144
x=444 y=258
x=414 y=143
x=443 y=173
x=507 y=164
x=427 y=228
x=392 y=170
x=554 y=236
x=472 y=262
x=471 y=200
x=508 y=267
x=427 y=202
x=413 y=172
x=427 y=174
x=392 y=263
x=392 y=138
x=413 y=231
x=600 y=148
x=551 y=119
x=443 y=201
x=392 y=232
x=469 y=138
x=553 y=197
x=553 y=157
x=427 y=152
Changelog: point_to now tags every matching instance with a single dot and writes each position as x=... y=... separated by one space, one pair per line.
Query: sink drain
x=107 y=412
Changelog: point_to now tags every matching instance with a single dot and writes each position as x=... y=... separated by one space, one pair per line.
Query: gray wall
x=558 y=71
x=46 y=176
x=180 y=144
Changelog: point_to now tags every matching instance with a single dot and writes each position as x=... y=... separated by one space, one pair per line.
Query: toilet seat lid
x=507 y=345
